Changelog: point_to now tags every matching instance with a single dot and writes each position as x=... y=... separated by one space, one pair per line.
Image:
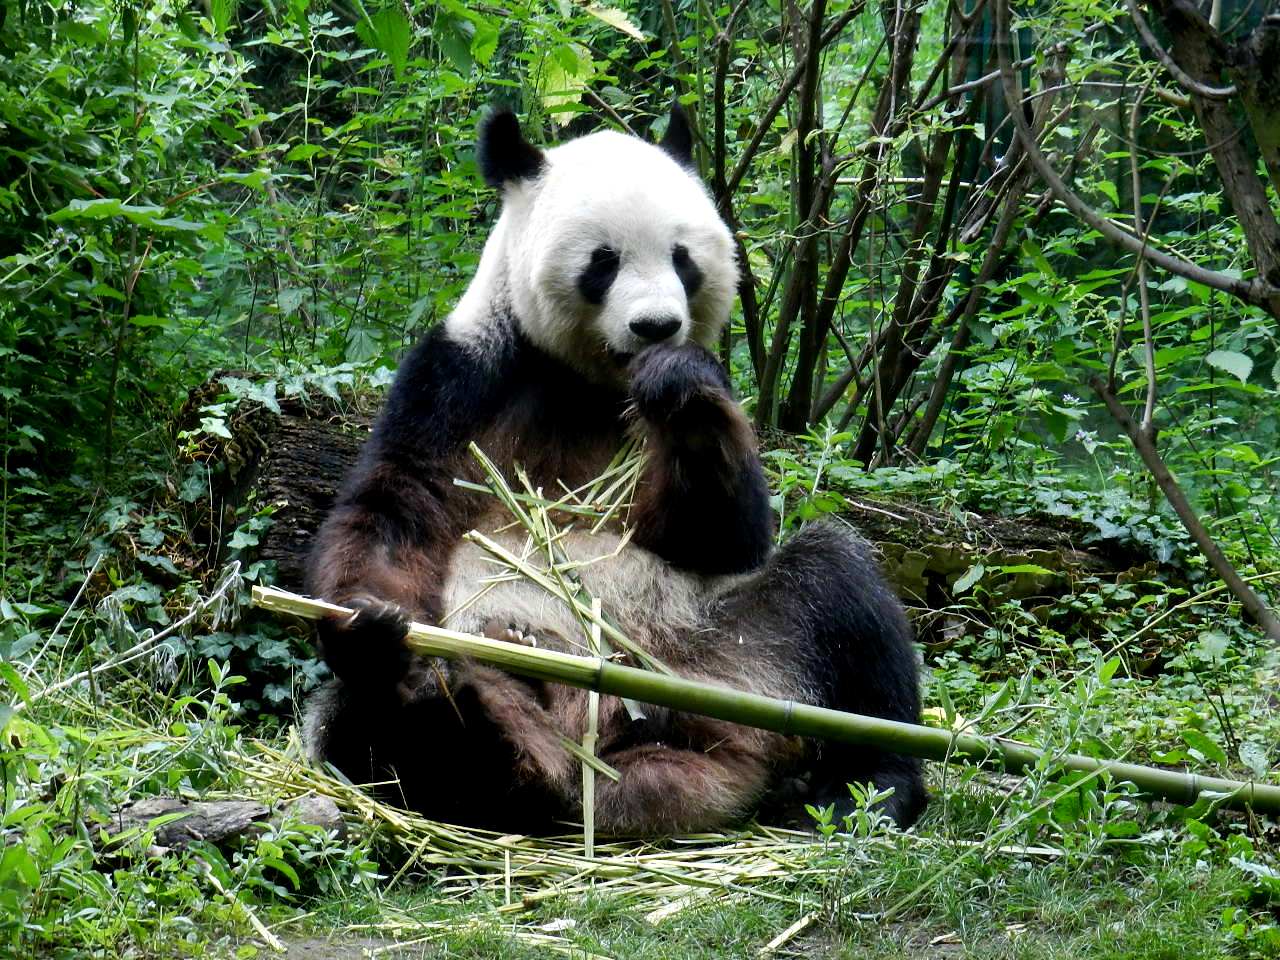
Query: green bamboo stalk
x=787 y=716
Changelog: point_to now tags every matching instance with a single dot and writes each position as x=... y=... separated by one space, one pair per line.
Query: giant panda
x=600 y=290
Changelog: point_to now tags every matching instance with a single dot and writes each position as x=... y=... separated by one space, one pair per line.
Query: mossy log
x=284 y=464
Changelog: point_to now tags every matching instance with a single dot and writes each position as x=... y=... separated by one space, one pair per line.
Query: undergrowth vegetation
x=213 y=212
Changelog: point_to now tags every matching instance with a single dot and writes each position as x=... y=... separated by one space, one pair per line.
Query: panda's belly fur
x=670 y=613
x=650 y=602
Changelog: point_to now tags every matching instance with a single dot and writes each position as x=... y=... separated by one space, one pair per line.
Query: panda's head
x=607 y=244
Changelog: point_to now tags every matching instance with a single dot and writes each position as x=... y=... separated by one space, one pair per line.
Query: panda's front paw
x=670 y=381
x=366 y=650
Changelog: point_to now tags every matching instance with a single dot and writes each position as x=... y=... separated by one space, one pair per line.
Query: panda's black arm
x=389 y=532
x=702 y=503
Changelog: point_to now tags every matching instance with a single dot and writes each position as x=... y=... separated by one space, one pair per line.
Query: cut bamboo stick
x=787 y=716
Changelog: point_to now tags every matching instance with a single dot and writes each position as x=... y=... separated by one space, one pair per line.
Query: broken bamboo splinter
x=787 y=716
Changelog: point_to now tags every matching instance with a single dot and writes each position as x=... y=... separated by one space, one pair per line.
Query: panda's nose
x=655 y=329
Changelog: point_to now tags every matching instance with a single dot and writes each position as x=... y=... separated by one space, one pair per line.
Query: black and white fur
x=604 y=282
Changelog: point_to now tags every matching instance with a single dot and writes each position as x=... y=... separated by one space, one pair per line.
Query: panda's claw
x=366 y=647
x=521 y=634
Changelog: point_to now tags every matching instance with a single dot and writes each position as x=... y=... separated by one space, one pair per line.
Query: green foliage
x=65 y=886
x=287 y=191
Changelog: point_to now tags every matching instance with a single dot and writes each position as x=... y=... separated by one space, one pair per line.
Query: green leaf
x=128 y=24
x=617 y=19
x=948 y=708
x=223 y=12
x=1236 y=364
x=290 y=299
x=104 y=208
x=565 y=75
x=216 y=427
x=968 y=579
x=452 y=42
x=304 y=151
x=298 y=13
x=148 y=320
x=1025 y=568
x=9 y=674
x=1203 y=745
x=485 y=41
x=390 y=32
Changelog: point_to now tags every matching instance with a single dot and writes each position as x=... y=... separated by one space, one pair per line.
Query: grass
x=990 y=871
x=1159 y=903
x=1038 y=866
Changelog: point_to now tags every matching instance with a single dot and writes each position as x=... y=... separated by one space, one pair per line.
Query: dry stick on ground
x=1143 y=438
x=786 y=716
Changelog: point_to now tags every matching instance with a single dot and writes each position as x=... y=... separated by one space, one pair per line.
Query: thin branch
x=1185 y=80
x=1143 y=228
x=779 y=101
x=965 y=87
x=1144 y=442
x=1257 y=291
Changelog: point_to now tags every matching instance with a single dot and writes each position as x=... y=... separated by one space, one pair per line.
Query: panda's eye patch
x=594 y=282
x=688 y=272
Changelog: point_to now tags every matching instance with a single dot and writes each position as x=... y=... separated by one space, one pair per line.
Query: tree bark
x=1201 y=52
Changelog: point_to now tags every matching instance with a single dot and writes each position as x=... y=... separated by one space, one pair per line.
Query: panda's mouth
x=620 y=358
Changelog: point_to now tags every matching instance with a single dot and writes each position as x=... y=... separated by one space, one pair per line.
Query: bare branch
x=1185 y=80
x=1257 y=291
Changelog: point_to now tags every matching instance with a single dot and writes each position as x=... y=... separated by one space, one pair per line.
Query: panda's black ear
x=502 y=151
x=678 y=140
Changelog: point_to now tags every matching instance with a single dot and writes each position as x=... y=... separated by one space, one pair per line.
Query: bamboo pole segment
x=787 y=716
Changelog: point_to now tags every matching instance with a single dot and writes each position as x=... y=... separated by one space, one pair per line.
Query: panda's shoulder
x=445 y=389
x=454 y=360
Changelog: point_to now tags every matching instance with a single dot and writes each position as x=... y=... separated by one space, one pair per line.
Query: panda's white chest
x=652 y=603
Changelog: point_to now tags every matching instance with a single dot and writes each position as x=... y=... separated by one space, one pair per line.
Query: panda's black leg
x=887 y=772
x=826 y=601
x=442 y=757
